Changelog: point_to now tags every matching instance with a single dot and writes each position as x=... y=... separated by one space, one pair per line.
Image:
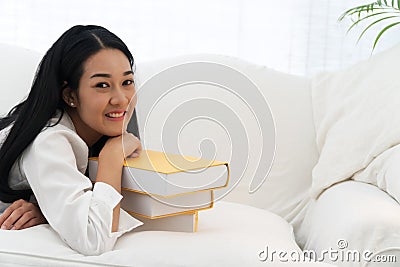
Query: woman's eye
x=128 y=82
x=102 y=85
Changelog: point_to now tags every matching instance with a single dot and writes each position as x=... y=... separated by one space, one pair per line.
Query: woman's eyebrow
x=128 y=72
x=100 y=75
x=109 y=75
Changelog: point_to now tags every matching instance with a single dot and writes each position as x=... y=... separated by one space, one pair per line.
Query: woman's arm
x=82 y=214
x=111 y=160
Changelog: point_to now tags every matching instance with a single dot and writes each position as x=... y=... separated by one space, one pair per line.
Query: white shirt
x=54 y=166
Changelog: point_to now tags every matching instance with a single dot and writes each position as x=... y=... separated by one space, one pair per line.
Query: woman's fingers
x=123 y=146
x=11 y=215
x=32 y=222
x=26 y=217
x=132 y=145
x=134 y=155
x=136 y=152
x=21 y=214
x=4 y=216
x=10 y=220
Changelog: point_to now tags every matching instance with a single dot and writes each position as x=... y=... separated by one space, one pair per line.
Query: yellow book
x=165 y=174
x=156 y=207
x=186 y=222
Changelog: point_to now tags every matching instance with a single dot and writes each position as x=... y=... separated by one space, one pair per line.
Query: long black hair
x=61 y=65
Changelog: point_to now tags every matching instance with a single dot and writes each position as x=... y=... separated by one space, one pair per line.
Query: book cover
x=165 y=174
x=186 y=222
x=155 y=207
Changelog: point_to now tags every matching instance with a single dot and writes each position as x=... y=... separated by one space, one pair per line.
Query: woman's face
x=105 y=90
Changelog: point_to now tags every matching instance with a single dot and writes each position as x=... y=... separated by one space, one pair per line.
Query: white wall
x=296 y=36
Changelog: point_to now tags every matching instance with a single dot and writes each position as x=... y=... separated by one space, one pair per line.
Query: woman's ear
x=69 y=96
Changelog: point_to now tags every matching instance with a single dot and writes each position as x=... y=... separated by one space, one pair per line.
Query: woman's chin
x=113 y=133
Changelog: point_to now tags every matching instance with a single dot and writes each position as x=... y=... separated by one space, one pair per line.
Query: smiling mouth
x=116 y=115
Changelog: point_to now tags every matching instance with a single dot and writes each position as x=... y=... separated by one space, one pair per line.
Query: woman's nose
x=119 y=97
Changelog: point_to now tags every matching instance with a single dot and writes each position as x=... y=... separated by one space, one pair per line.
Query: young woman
x=80 y=103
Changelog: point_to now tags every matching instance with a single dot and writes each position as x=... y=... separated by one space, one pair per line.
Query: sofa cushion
x=358 y=217
x=228 y=235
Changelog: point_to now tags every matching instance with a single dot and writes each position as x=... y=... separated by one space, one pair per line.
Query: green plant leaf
x=369 y=16
x=380 y=34
x=372 y=24
x=350 y=12
x=372 y=7
x=361 y=9
x=368 y=11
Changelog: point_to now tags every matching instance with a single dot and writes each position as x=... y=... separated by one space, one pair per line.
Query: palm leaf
x=372 y=24
x=382 y=31
x=369 y=16
x=361 y=9
x=368 y=11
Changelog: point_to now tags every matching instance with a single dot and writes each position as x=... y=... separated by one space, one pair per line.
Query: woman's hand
x=20 y=215
x=124 y=146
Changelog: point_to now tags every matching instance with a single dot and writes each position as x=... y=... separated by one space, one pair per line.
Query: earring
x=72 y=104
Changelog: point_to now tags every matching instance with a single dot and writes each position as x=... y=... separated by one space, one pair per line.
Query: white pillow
x=356 y=117
x=17 y=69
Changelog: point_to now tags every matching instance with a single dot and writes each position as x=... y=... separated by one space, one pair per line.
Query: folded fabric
x=383 y=172
x=356 y=115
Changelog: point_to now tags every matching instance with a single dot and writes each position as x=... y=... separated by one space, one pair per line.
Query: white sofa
x=238 y=229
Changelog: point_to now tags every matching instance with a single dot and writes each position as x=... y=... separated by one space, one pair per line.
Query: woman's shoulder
x=61 y=140
x=60 y=121
x=60 y=128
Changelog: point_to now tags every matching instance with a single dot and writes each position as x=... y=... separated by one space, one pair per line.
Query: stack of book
x=166 y=191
